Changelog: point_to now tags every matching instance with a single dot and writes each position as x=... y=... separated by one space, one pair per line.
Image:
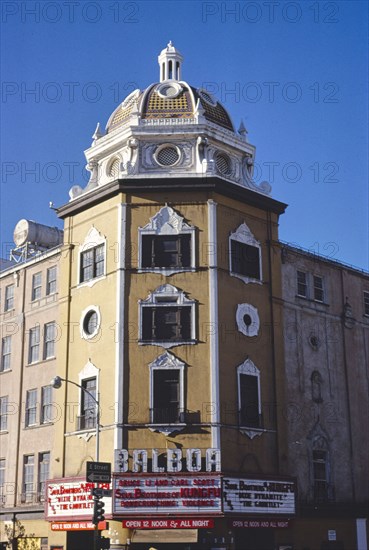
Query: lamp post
x=57 y=382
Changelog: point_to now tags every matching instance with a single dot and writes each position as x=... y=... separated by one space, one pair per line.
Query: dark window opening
x=92 y=263
x=166 y=323
x=31 y=408
x=87 y=420
x=320 y=472
x=9 y=298
x=249 y=406
x=247 y=319
x=166 y=397
x=166 y=251
x=316 y=387
x=245 y=259
x=301 y=284
x=36 y=286
x=28 y=475
x=366 y=302
x=318 y=289
x=51 y=280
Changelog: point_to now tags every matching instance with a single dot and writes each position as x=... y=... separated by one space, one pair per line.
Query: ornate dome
x=170 y=129
x=170 y=98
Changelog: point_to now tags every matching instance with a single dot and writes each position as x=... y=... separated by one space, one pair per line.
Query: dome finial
x=170 y=61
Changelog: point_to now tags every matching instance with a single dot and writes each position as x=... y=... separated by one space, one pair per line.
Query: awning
x=164 y=535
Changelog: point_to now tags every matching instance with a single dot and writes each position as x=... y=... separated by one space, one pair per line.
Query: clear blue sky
x=295 y=72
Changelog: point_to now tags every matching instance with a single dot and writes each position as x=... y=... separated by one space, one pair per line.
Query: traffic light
x=98 y=511
x=104 y=542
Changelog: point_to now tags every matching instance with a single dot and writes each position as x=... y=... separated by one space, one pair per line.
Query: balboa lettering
x=175 y=461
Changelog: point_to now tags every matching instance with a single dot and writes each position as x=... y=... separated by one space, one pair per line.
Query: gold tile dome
x=170 y=99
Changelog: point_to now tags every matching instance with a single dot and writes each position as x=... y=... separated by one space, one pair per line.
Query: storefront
x=194 y=505
x=186 y=509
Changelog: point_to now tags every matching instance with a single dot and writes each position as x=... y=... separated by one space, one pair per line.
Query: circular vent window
x=114 y=169
x=223 y=163
x=169 y=91
x=91 y=323
x=167 y=155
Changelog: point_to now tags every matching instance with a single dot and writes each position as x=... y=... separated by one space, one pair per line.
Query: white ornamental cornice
x=168 y=291
x=167 y=361
x=166 y=222
x=244 y=235
x=248 y=367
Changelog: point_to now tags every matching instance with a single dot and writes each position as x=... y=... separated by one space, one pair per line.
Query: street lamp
x=57 y=383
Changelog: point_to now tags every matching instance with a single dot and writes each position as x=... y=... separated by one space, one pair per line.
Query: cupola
x=170 y=62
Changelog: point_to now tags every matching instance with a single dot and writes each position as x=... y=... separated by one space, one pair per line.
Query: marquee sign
x=258 y=496
x=188 y=523
x=176 y=494
x=78 y=526
x=258 y=524
x=72 y=500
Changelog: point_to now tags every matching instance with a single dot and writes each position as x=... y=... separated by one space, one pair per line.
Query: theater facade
x=172 y=287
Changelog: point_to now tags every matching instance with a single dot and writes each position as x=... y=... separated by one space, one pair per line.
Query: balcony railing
x=86 y=422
